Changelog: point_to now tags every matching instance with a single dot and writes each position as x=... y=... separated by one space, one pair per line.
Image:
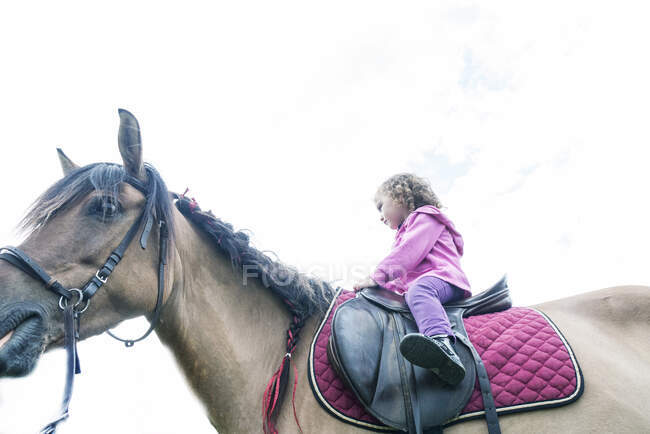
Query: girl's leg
x=425 y=298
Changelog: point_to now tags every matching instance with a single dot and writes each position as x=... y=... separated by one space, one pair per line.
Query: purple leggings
x=425 y=299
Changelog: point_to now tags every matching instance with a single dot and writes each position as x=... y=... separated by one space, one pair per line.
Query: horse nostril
x=6 y=338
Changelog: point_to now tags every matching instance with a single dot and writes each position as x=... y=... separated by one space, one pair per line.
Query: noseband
x=74 y=301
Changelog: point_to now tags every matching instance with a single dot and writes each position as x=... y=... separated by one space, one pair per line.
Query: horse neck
x=227 y=334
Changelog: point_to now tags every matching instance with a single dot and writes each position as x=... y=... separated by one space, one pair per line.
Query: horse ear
x=130 y=143
x=66 y=164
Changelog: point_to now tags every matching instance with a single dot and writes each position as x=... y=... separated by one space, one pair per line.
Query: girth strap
x=486 y=390
x=455 y=315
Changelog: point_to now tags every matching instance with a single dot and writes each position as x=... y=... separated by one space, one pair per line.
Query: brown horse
x=226 y=324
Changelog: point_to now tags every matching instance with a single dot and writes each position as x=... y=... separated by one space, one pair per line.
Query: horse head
x=73 y=227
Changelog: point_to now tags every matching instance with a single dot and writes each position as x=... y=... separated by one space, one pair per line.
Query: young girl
x=424 y=266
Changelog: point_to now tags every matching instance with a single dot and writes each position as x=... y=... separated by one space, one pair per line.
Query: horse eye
x=104 y=208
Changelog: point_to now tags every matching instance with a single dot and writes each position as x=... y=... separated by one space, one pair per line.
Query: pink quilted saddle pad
x=528 y=361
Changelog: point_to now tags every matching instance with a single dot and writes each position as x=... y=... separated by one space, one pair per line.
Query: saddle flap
x=364 y=348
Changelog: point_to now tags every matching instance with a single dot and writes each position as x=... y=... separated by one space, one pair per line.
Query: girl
x=424 y=266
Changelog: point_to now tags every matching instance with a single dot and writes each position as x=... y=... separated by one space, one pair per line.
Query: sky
x=529 y=119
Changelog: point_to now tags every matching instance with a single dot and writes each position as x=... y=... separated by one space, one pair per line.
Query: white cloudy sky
x=529 y=118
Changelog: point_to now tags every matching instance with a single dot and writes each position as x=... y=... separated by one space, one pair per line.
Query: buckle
x=100 y=278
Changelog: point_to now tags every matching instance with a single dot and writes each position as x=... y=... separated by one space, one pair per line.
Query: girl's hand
x=364 y=283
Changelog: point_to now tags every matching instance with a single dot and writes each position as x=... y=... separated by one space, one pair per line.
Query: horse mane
x=302 y=294
x=105 y=178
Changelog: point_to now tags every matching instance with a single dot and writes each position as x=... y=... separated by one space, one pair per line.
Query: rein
x=72 y=310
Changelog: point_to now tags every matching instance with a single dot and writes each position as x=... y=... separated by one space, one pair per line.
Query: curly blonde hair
x=410 y=190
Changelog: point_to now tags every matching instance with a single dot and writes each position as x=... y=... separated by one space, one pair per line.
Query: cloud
x=283 y=119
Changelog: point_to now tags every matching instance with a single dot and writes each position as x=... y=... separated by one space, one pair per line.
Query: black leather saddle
x=364 y=350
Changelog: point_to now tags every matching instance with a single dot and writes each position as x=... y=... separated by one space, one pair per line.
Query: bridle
x=75 y=301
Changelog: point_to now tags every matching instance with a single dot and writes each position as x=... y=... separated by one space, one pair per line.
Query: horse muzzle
x=22 y=331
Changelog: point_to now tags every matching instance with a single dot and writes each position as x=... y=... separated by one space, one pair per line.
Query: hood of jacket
x=442 y=218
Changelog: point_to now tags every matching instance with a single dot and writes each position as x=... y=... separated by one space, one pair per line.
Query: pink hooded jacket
x=426 y=244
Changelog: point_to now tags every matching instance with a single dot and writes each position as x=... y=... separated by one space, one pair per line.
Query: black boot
x=434 y=353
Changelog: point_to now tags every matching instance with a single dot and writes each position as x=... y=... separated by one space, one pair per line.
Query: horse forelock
x=104 y=178
x=303 y=294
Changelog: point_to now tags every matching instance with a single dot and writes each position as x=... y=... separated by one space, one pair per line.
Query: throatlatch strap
x=162 y=261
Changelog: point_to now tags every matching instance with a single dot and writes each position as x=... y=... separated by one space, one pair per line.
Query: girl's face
x=392 y=213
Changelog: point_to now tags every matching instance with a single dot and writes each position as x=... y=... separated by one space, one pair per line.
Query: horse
x=223 y=307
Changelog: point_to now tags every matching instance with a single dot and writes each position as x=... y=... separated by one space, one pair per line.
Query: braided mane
x=302 y=295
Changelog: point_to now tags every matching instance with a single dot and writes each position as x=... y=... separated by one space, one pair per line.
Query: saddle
x=363 y=348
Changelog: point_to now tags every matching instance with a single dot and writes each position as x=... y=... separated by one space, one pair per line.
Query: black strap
x=162 y=261
x=115 y=257
x=70 y=320
x=486 y=390
x=135 y=182
x=455 y=315
x=20 y=259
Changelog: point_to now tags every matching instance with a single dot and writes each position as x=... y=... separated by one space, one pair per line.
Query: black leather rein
x=74 y=301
